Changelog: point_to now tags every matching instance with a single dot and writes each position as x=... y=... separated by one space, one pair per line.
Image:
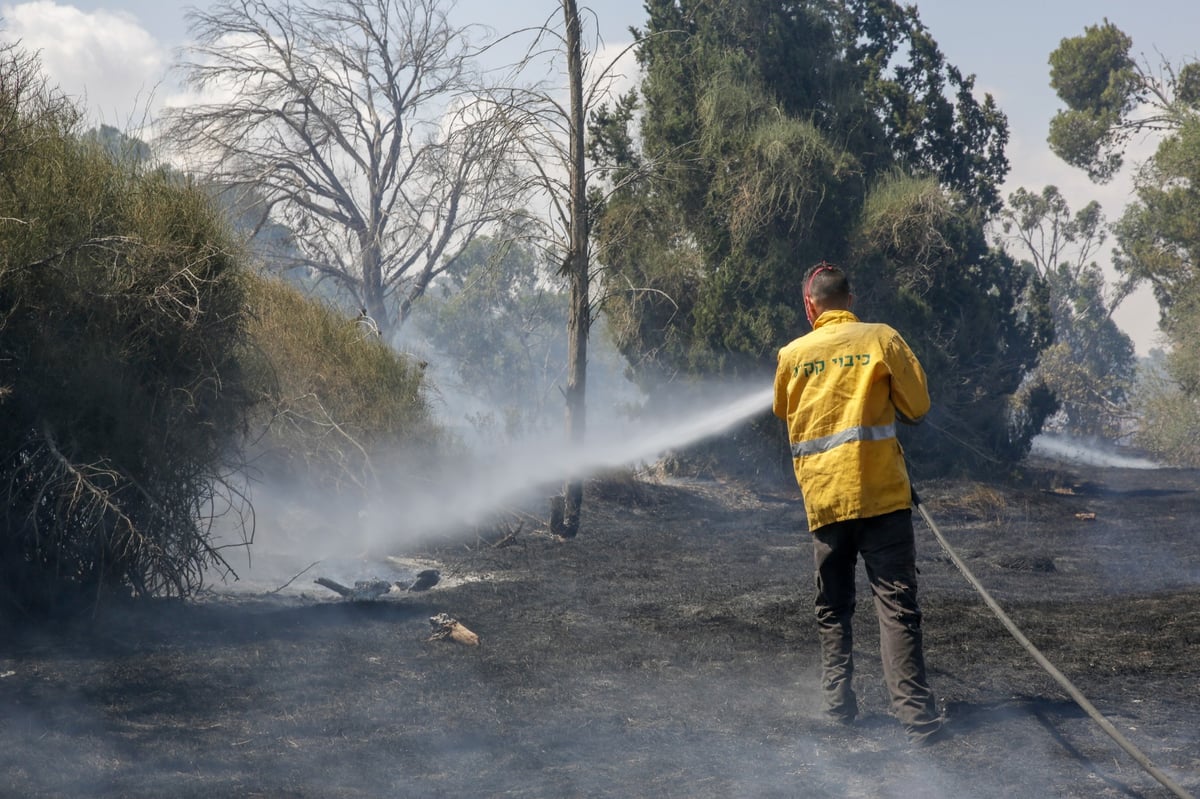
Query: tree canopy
x=1090 y=368
x=353 y=122
x=778 y=136
x=1110 y=97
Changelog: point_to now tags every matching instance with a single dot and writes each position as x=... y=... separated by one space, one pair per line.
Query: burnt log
x=363 y=590
x=426 y=579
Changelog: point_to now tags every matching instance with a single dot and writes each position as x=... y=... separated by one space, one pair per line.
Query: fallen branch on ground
x=363 y=589
x=510 y=536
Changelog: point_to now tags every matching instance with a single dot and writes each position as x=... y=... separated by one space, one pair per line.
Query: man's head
x=826 y=288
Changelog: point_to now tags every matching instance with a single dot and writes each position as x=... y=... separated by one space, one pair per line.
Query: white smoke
x=293 y=533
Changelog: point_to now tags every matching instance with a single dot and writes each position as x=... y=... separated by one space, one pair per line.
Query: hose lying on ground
x=1066 y=684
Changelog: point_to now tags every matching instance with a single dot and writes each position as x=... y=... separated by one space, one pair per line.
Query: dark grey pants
x=888 y=550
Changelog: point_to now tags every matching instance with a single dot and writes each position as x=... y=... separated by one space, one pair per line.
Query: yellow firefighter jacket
x=839 y=389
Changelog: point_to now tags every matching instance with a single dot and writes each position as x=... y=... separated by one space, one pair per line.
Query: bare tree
x=575 y=264
x=558 y=177
x=358 y=124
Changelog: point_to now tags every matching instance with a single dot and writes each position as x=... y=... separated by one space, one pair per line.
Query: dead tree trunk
x=576 y=268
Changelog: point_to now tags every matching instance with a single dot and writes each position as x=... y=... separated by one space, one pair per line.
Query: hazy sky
x=118 y=52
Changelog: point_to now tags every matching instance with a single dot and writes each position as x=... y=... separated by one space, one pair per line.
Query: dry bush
x=790 y=168
x=903 y=217
x=1167 y=394
x=1167 y=428
x=334 y=402
x=975 y=501
x=121 y=302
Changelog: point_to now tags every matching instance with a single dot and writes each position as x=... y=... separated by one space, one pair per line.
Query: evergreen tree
x=777 y=136
x=1111 y=98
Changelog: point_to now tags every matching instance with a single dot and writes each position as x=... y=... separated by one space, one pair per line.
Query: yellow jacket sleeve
x=910 y=391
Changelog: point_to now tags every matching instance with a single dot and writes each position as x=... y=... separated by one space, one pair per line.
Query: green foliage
x=608 y=141
x=991 y=323
x=655 y=276
x=1187 y=88
x=774 y=137
x=1158 y=235
x=1168 y=397
x=1087 y=141
x=1091 y=366
x=1159 y=238
x=1102 y=86
x=734 y=64
x=931 y=120
x=496 y=316
x=1094 y=72
x=702 y=250
x=121 y=307
x=975 y=319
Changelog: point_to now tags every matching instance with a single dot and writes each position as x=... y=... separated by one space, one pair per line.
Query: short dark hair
x=825 y=282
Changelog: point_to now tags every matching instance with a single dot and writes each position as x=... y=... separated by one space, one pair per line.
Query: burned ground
x=669 y=651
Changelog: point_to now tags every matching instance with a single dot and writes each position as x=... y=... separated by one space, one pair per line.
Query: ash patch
x=1027 y=563
x=669 y=650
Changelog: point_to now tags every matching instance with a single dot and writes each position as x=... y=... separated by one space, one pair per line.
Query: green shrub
x=140 y=361
x=121 y=305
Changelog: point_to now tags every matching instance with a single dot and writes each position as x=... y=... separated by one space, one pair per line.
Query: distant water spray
x=487 y=483
x=1072 y=450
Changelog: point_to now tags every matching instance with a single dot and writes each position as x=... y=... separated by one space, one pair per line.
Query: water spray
x=1050 y=668
x=597 y=456
x=490 y=482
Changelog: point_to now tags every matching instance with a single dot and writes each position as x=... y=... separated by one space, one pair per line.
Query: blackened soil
x=668 y=651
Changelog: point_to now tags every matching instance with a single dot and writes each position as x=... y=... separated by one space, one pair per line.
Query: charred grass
x=667 y=651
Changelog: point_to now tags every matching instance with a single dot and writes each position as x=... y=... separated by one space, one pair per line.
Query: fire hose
x=1058 y=676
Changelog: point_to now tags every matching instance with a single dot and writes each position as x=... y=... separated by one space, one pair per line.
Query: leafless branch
x=356 y=120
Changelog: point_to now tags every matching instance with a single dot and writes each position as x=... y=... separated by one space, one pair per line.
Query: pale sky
x=116 y=52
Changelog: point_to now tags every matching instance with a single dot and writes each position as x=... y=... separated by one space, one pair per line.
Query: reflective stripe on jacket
x=839 y=389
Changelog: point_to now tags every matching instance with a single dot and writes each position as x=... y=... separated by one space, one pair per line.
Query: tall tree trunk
x=373 y=296
x=576 y=267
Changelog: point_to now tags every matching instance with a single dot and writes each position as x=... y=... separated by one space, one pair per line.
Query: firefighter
x=841 y=389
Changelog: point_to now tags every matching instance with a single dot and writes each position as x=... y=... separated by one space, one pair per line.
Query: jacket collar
x=834 y=318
